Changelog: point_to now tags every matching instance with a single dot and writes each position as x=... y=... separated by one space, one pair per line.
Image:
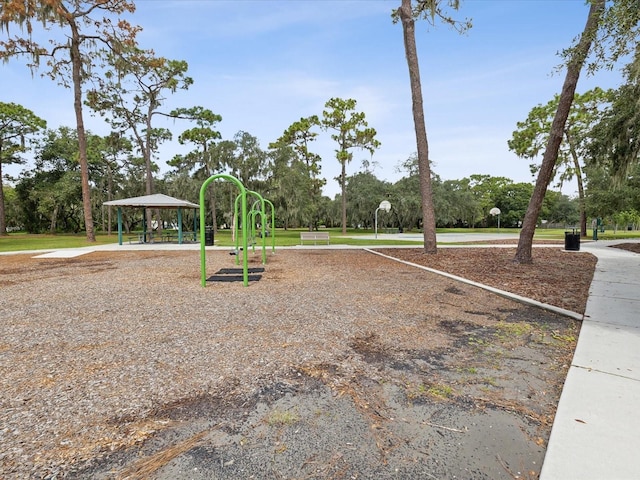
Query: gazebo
x=157 y=200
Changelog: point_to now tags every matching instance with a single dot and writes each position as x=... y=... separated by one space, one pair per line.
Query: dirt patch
x=336 y=364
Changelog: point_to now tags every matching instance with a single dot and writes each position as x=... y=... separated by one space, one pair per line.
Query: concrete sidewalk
x=596 y=432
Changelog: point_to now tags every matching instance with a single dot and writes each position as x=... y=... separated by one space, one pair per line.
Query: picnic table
x=171 y=235
x=166 y=236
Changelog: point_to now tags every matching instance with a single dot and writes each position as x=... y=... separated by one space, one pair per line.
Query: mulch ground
x=555 y=276
x=334 y=364
x=630 y=247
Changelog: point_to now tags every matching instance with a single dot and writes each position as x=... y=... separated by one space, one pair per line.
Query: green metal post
x=273 y=226
x=144 y=225
x=119 y=225
x=236 y=228
x=252 y=221
x=262 y=222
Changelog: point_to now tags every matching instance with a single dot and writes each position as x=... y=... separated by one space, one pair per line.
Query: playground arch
x=242 y=219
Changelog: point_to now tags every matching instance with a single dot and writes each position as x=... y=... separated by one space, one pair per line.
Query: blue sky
x=263 y=64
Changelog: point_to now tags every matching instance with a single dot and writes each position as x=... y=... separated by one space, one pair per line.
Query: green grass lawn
x=22 y=241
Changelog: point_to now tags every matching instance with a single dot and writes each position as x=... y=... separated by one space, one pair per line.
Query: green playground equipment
x=242 y=220
x=253 y=212
x=236 y=228
x=257 y=209
x=273 y=226
x=246 y=220
x=263 y=222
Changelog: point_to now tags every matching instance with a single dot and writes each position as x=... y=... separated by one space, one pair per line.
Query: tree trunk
x=582 y=203
x=146 y=153
x=313 y=194
x=3 y=214
x=214 y=214
x=214 y=208
x=578 y=173
x=109 y=197
x=76 y=65
x=525 y=242
x=214 y=211
x=424 y=168
x=54 y=220
x=343 y=185
x=211 y=192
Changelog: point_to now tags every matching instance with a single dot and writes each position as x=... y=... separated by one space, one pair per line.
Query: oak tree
x=298 y=137
x=613 y=30
x=17 y=124
x=532 y=134
x=615 y=142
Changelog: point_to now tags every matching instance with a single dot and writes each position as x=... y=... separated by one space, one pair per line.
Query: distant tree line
x=48 y=198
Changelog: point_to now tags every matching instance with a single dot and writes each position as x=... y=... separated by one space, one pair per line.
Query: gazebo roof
x=157 y=200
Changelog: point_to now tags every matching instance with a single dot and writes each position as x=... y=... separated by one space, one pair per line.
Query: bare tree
x=16 y=125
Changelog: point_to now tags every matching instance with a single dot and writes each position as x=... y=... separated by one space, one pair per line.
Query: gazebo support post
x=119 y=225
x=144 y=225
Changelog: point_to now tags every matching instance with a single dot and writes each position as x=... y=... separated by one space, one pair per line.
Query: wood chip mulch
x=555 y=276
x=92 y=346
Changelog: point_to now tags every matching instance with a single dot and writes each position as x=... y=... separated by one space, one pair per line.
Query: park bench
x=315 y=236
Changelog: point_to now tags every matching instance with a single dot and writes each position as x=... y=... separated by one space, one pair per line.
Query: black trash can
x=208 y=236
x=572 y=241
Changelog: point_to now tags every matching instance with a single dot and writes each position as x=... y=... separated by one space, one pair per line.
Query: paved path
x=596 y=432
x=442 y=237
